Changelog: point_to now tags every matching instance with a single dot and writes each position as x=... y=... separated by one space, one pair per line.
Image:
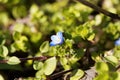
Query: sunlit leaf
x=3 y=51
x=44 y=47
x=112 y=59
x=77 y=74
x=101 y=67
x=13 y=60
x=1 y=77
x=2 y=41
x=40 y=75
x=35 y=37
x=37 y=65
x=103 y=76
x=18 y=27
x=91 y=37
x=50 y=65
x=16 y=35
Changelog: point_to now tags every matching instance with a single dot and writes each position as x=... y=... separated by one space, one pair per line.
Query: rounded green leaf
x=18 y=27
x=2 y=40
x=13 y=60
x=40 y=75
x=44 y=47
x=77 y=74
x=50 y=65
x=84 y=33
x=22 y=44
x=37 y=65
x=64 y=63
x=19 y=11
x=112 y=59
x=16 y=35
x=35 y=37
x=4 y=19
x=101 y=67
x=34 y=8
x=1 y=77
x=3 y=51
x=52 y=51
x=91 y=37
x=114 y=76
x=103 y=76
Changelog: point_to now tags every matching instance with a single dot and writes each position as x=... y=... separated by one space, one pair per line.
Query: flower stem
x=56 y=75
x=96 y=8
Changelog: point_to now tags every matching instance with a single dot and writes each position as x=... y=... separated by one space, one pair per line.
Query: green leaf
x=13 y=60
x=69 y=43
x=34 y=8
x=64 y=63
x=40 y=75
x=12 y=48
x=50 y=65
x=3 y=1
x=4 y=19
x=19 y=11
x=3 y=51
x=35 y=37
x=117 y=53
x=112 y=59
x=77 y=74
x=91 y=37
x=37 y=65
x=101 y=67
x=22 y=44
x=114 y=76
x=16 y=35
x=52 y=51
x=44 y=47
x=102 y=76
x=83 y=33
x=18 y=27
x=2 y=40
x=1 y=77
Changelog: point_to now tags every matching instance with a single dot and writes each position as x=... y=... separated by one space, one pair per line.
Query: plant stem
x=96 y=8
x=56 y=75
x=34 y=58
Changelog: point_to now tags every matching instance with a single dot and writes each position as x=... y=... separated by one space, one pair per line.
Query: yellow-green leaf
x=13 y=60
x=50 y=65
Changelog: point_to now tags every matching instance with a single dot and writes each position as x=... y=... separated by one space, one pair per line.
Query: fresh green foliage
x=112 y=59
x=13 y=60
x=77 y=74
x=48 y=37
x=50 y=65
x=3 y=51
x=45 y=68
x=44 y=47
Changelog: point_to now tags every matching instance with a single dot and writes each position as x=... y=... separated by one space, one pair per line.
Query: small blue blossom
x=117 y=42
x=57 y=39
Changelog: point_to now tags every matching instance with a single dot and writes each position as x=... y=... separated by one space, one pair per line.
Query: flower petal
x=117 y=42
x=60 y=35
x=52 y=44
x=55 y=39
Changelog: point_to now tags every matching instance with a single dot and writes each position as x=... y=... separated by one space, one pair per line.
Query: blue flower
x=57 y=39
x=117 y=42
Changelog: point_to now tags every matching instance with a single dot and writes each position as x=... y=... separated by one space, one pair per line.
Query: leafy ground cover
x=59 y=40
